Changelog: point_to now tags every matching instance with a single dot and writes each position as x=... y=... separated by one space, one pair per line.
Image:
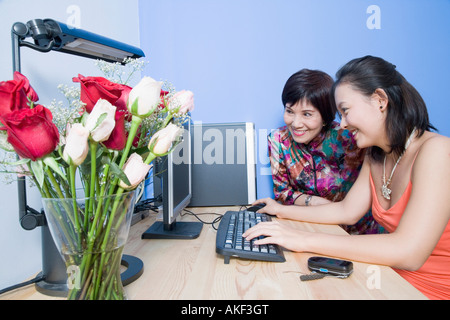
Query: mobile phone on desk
x=334 y=267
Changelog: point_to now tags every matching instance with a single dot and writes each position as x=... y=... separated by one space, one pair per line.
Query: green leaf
x=84 y=118
x=142 y=151
x=51 y=162
x=100 y=120
x=4 y=144
x=135 y=106
x=105 y=160
x=38 y=170
x=18 y=162
x=119 y=173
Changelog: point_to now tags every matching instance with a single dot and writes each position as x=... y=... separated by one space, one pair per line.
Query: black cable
x=147 y=204
x=23 y=284
x=216 y=220
x=196 y=215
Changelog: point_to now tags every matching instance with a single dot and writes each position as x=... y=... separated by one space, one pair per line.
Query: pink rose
x=162 y=141
x=182 y=102
x=135 y=169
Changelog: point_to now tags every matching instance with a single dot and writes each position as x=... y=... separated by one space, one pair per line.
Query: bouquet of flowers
x=108 y=141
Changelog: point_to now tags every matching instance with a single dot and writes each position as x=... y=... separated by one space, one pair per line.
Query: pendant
x=386 y=192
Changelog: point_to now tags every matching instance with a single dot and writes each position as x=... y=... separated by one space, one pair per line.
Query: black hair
x=315 y=87
x=406 y=109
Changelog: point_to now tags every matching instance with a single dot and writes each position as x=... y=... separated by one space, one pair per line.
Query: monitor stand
x=176 y=230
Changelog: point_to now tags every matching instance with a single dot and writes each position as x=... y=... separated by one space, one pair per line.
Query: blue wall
x=236 y=55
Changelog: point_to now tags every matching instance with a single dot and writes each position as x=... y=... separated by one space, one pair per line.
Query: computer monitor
x=223 y=164
x=174 y=181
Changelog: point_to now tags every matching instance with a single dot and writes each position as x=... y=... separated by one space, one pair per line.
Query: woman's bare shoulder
x=435 y=144
x=433 y=153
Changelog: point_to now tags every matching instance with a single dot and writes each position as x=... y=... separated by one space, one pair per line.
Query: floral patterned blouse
x=326 y=167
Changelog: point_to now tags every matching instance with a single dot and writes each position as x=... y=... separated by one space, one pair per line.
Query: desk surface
x=191 y=269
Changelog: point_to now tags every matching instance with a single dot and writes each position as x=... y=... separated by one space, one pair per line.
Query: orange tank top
x=433 y=278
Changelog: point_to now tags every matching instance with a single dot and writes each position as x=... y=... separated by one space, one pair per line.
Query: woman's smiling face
x=303 y=121
x=363 y=116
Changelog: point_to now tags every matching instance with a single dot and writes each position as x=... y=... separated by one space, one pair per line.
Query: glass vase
x=90 y=234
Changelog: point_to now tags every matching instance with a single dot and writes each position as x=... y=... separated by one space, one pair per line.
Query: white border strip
x=251 y=161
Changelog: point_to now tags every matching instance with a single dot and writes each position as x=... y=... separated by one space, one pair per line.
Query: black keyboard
x=229 y=241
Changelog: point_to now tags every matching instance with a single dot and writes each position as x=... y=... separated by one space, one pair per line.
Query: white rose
x=77 y=146
x=100 y=121
x=144 y=98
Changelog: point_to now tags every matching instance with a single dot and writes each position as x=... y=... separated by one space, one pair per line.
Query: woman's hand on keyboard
x=271 y=207
x=276 y=233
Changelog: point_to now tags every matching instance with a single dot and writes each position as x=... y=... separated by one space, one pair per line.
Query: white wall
x=20 y=250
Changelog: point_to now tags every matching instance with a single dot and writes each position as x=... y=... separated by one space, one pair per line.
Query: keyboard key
x=229 y=241
x=272 y=249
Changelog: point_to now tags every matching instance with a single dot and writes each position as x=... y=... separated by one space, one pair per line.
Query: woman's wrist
x=303 y=200
x=308 y=200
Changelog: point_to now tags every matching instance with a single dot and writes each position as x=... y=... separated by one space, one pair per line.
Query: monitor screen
x=175 y=177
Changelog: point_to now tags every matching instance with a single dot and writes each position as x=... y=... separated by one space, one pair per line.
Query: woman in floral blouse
x=313 y=160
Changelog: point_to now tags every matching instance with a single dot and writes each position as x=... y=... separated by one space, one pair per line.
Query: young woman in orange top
x=405 y=179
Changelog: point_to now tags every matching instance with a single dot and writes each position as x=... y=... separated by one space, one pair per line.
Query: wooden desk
x=191 y=269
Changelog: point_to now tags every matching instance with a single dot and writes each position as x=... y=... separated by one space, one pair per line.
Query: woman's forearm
x=394 y=249
x=308 y=200
x=383 y=249
x=331 y=213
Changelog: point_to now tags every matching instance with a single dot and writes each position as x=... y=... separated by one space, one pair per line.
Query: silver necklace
x=385 y=191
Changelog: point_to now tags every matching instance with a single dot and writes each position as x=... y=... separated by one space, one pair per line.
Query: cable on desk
x=23 y=284
x=215 y=221
x=196 y=215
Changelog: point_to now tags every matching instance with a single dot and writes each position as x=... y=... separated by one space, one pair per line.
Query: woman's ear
x=380 y=98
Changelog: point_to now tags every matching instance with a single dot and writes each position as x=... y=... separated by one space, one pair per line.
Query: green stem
x=54 y=183
x=167 y=120
x=96 y=226
x=107 y=232
x=73 y=169
x=135 y=122
x=150 y=158
x=89 y=210
x=78 y=233
x=69 y=233
x=110 y=279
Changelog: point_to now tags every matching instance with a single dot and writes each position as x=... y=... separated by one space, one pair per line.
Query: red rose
x=118 y=138
x=12 y=96
x=29 y=91
x=31 y=132
x=94 y=88
x=121 y=103
x=162 y=95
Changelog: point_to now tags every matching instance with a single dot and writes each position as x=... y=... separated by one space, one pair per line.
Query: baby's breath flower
x=118 y=73
x=63 y=114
